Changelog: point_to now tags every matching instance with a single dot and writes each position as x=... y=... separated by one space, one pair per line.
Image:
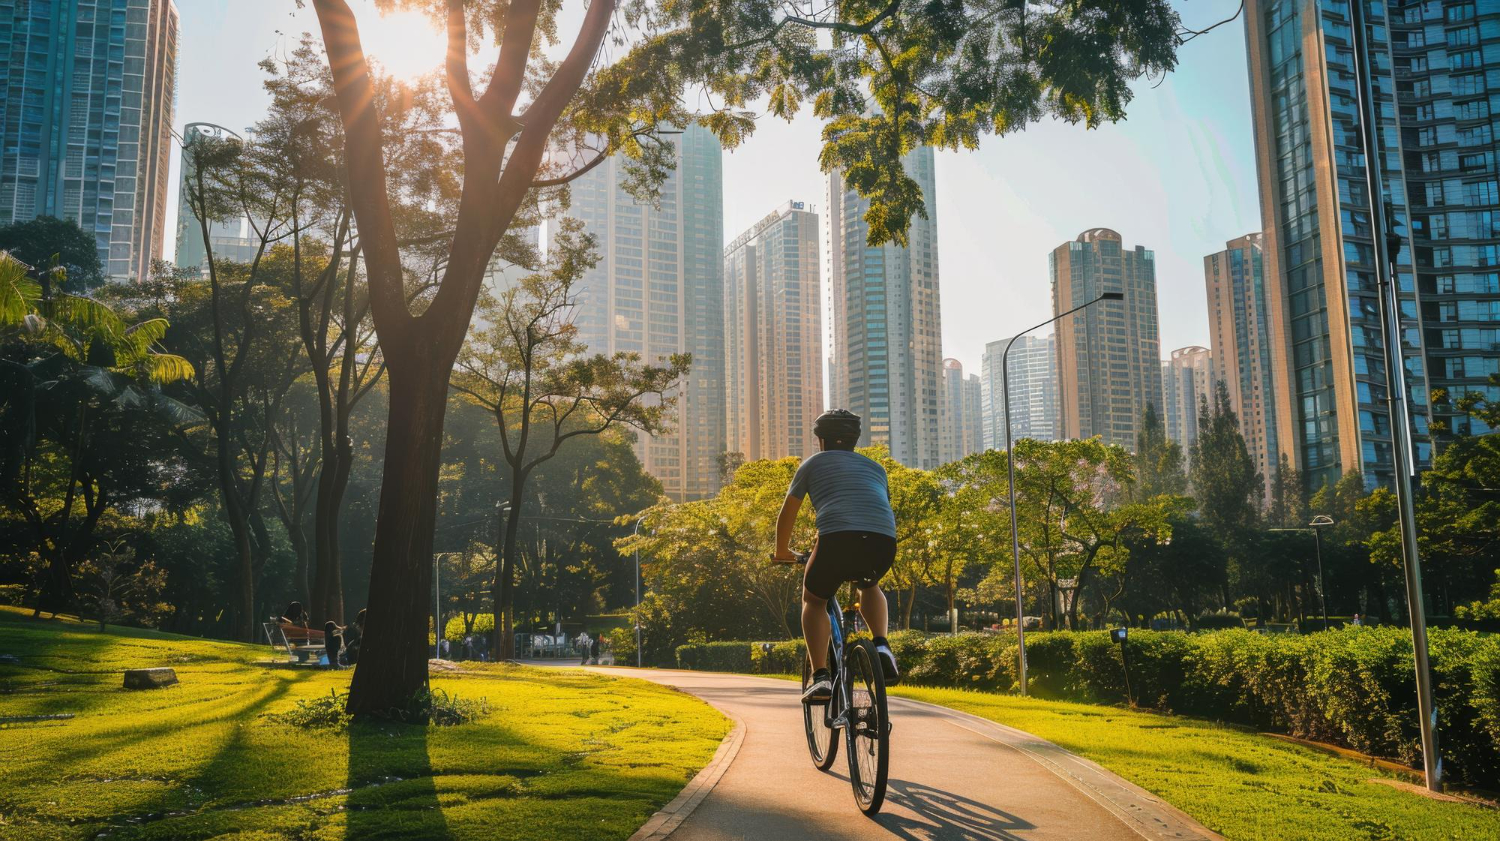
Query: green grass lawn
x=1245 y=786
x=561 y=755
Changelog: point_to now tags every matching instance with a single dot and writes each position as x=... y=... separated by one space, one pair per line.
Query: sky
x=1176 y=176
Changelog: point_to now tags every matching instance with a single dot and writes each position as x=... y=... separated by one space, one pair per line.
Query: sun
x=407 y=44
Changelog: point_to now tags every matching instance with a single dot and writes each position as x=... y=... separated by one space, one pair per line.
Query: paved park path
x=953 y=777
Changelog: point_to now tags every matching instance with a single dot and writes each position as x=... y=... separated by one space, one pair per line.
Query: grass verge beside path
x=1245 y=786
x=560 y=755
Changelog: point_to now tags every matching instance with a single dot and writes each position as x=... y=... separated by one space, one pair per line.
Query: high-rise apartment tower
x=658 y=290
x=1436 y=69
x=961 y=413
x=1240 y=333
x=773 y=336
x=1186 y=380
x=1108 y=354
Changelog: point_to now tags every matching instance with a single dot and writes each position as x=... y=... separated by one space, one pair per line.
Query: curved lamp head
x=1321 y=520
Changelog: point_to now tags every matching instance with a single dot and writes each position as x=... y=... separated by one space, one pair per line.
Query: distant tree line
x=1158 y=537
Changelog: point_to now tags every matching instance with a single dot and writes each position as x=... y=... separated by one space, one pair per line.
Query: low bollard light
x=1120 y=635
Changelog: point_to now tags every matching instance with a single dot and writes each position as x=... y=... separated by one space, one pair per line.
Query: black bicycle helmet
x=839 y=426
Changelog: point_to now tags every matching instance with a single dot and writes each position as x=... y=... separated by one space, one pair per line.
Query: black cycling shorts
x=863 y=557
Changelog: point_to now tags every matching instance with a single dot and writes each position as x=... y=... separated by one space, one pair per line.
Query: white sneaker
x=820 y=691
x=888 y=665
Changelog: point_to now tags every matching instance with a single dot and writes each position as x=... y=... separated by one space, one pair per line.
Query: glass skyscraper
x=887 y=325
x=658 y=290
x=1436 y=68
x=1033 y=391
x=86 y=118
x=231 y=238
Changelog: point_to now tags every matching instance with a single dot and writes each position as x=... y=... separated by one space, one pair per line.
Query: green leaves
x=1158 y=459
x=86 y=330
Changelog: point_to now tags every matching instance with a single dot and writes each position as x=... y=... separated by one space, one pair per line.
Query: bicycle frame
x=836 y=711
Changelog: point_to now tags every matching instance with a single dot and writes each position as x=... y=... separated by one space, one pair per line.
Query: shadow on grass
x=129 y=734
x=393 y=793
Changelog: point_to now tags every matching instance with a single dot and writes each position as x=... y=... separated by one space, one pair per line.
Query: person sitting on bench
x=333 y=642
x=352 y=637
x=294 y=625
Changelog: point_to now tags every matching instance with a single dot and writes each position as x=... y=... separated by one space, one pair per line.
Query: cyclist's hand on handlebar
x=787 y=557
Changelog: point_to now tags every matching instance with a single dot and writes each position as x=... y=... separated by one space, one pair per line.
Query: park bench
x=296 y=642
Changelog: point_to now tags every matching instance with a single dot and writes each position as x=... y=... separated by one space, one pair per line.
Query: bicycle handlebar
x=801 y=558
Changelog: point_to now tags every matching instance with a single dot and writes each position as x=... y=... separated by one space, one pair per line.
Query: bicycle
x=857 y=707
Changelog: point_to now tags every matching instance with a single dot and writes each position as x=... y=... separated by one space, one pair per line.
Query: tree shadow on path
x=947 y=817
x=392 y=791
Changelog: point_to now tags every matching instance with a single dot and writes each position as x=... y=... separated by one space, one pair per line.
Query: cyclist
x=856 y=541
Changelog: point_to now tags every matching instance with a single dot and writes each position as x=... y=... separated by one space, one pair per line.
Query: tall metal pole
x=637 y=612
x=437 y=609
x=1322 y=585
x=1387 y=245
x=1015 y=533
x=1010 y=469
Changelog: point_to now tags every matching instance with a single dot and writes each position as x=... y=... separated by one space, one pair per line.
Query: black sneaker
x=888 y=664
x=820 y=691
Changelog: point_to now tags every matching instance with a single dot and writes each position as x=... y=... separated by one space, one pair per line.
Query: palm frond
x=143 y=334
x=101 y=380
x=166 y=368
x=175 y=411
x=84 y=313
x=17 y=291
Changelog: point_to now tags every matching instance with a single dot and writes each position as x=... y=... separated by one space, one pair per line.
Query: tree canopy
x=47 y=242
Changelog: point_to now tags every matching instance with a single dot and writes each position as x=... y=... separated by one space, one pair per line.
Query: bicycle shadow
x=944 y=816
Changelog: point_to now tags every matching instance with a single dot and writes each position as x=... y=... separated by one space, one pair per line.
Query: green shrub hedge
x=715 y=656
x=1351 y=687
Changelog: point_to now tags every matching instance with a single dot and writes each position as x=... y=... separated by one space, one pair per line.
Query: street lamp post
x=637 y=612
x=1010 y=465
x=1317 y=525
x=1386 y=246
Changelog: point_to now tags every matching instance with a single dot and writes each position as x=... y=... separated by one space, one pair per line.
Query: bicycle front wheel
x=821 y=742
x=869 y=729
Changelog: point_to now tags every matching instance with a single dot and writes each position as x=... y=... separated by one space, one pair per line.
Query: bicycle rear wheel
x=869 y=729
x=822 y=743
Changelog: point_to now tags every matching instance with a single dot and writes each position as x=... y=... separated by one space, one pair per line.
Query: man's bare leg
x=873 y=608
x=815 y=628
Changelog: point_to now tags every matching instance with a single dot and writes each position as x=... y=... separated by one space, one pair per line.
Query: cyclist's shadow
x=946 y=817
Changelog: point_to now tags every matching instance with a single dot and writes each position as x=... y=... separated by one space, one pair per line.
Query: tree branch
x=355 y=92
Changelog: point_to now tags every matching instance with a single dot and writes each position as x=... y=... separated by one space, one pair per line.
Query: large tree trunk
x=420 y=350
x=328 y=587
x=506 y=578
x=393 y=660
x=57 y=585
x=243 y=607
